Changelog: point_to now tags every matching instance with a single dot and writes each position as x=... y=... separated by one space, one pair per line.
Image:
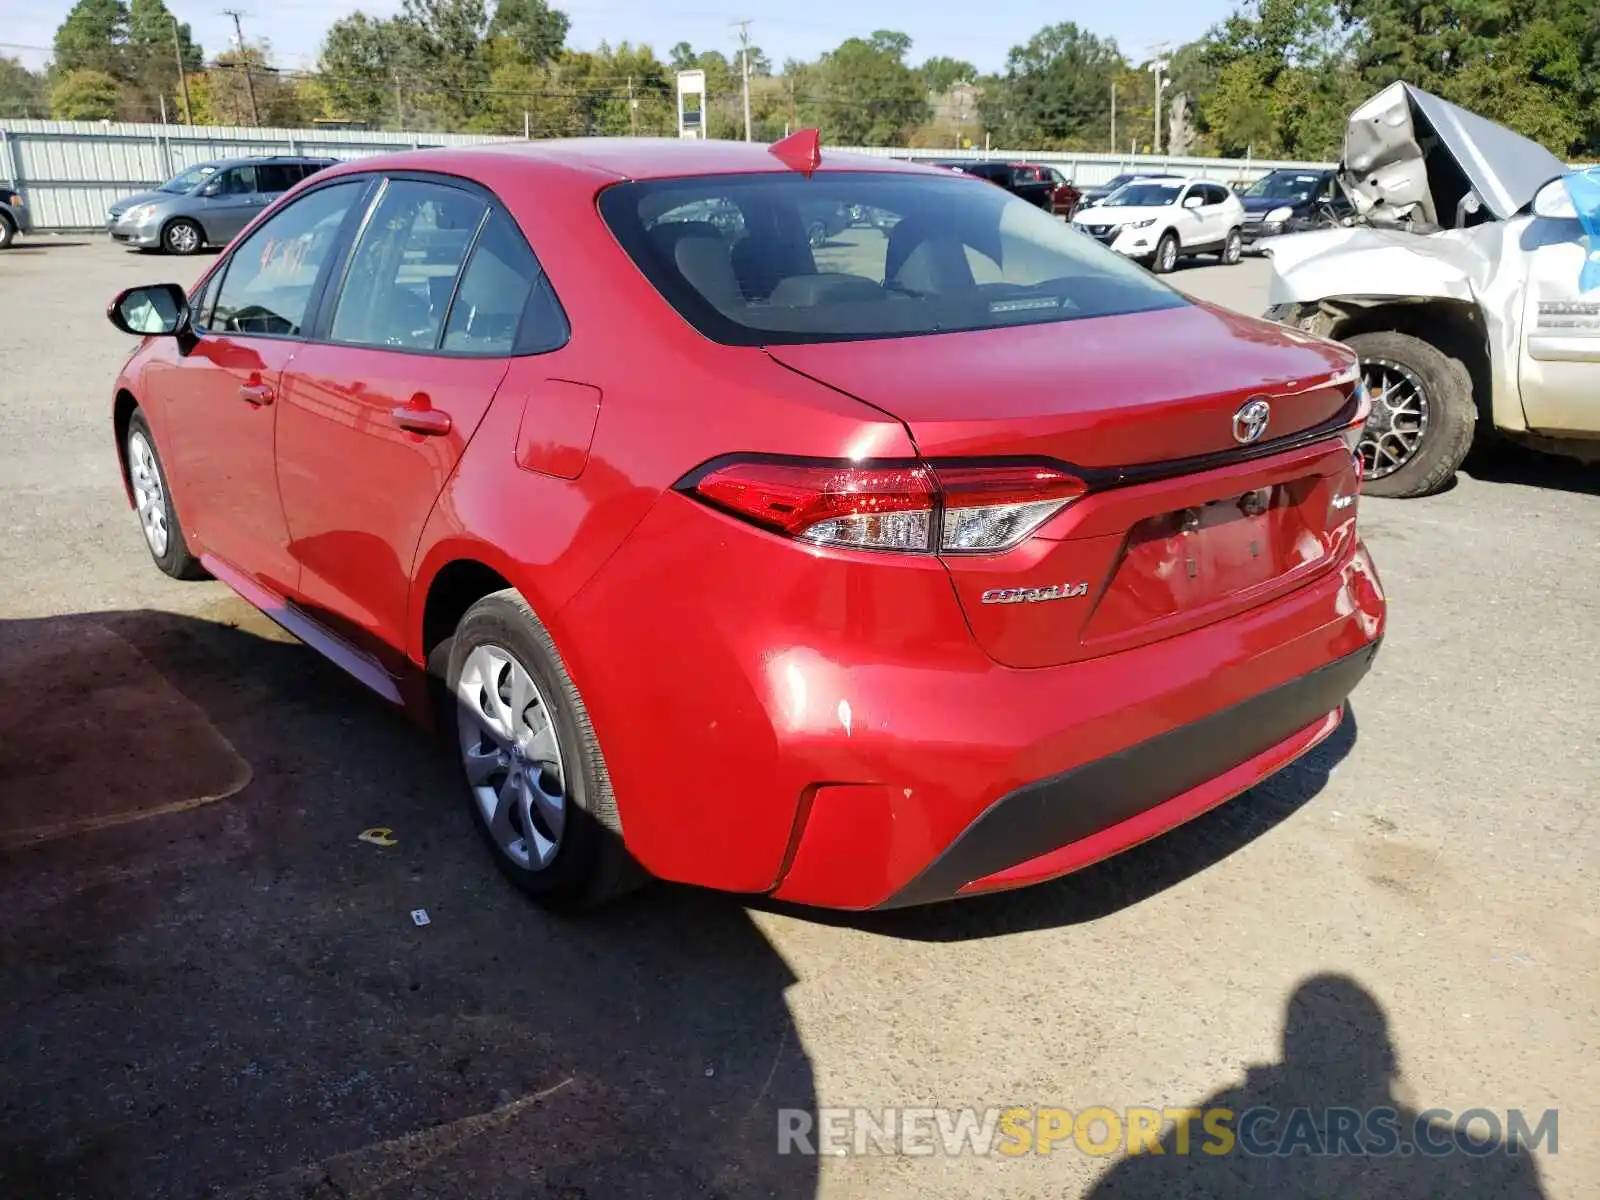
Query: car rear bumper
x=1101 y=808
x=821 y=725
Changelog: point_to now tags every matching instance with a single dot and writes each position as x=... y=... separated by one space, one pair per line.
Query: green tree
x=533 y=27
x=22 y=92
x=1056 y=90
x=150 y=59
x=93 y=37
x=85 y=95
x=361 y=62
x=863 y=93
x=940 y=74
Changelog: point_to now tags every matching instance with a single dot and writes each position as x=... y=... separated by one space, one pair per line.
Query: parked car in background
x=1290 y=201
x=1094 y=195
x=1470 y=288
x=1043 y=187
x=207 y=204
x=626 y=504
x=1159 y=221
x=13 y=216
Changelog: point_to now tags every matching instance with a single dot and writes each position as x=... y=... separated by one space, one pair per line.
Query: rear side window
x=911 y=254
x=272 y=273
x=402 y=274
x=276 y=177
x=503 y=291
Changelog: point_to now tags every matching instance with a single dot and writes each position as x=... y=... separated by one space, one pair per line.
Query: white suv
x=1158 y=221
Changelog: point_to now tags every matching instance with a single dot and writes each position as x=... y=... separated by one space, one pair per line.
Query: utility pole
x=244 y=61
x=183 y=75
x=1113 y=116
x=631 y=128
x=744 y=55
x=400 y=104
x=1159 y=65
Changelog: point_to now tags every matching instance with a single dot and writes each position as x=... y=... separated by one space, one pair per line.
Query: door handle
x=258 y=394
x=429 y=422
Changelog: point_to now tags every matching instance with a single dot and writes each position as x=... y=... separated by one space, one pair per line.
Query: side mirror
x=214 y=188
x=155 y=310
x=1554 y=201
x=1193 y=201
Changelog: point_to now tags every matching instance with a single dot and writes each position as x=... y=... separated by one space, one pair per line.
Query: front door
x=226 y=390
x=375 y=418
x=231 y=201
x=1559 y=364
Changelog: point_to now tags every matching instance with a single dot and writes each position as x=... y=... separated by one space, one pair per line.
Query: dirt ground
x=212 y=985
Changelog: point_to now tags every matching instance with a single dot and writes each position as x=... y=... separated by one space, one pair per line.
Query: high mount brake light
x=956 y=509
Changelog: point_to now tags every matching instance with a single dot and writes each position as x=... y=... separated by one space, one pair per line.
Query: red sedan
x=700 y=546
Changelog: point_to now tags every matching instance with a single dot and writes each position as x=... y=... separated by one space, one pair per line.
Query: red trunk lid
x=1149 y=553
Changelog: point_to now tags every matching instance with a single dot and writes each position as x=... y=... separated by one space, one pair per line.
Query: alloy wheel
x=1169 y=254
x=149 y=497
x=1398 y=423
x=511 y=752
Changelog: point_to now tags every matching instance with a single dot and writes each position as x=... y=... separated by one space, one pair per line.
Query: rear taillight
x=915 y=508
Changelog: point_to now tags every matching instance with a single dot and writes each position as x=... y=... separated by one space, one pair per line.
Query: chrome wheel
x=1168 y=253
x=512 y=756
x=1233 y=248
x=1398 y=423
x=149 y=497
x=183 y=238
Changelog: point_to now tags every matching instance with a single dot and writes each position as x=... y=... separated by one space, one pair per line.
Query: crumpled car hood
x=1411 y=158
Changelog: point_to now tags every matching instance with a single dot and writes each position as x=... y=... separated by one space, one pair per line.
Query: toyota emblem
x=1250 y=422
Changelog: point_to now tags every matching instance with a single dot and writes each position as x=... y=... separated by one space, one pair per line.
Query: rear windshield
x=779 y=258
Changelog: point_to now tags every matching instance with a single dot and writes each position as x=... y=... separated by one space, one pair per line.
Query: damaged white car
x=1470 y=288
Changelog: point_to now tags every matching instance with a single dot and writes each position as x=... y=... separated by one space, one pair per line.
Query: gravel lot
x=228 y=995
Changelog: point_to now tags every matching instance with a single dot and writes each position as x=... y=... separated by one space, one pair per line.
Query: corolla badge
x=1033 y=595
x=1250 y=422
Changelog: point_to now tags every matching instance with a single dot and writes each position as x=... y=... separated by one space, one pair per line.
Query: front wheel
x=537 y=785
x=182 y=237
x=1166 y=255
x=8 y=231
x=1232 y=248
x=158 y=520
x=1423 y=417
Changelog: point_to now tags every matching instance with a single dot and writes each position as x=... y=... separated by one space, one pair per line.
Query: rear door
x=1217 y=211
x=274 y=179
x=414 y=343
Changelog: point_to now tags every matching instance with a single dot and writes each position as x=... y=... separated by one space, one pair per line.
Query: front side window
x=918 y=254
x=237 y=181
x=272 y=273
x=403 y=272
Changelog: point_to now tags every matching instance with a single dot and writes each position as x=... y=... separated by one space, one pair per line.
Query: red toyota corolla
x=947 y=556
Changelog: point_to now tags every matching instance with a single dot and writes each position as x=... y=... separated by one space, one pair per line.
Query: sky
x=782 y=28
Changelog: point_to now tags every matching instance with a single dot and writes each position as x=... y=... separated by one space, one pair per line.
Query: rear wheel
x=8 y=231
x=158 y=520
x=182 y=237
x=1422 y=419
x=536 y=783
x=1166 y=255
x=1232 y=248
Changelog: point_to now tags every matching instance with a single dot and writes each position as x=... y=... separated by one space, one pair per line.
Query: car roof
x=246 y=159
x=616 y=159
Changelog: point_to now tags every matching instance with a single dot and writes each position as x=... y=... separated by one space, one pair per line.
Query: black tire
x=817 y=234
x=175 y=559
x=1452 y=417
x=1232 y=248
x=591 y=864
x=175 y=241
x=1165 y=257
x=8 y=231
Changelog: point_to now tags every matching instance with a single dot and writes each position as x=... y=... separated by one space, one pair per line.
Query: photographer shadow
x=1326 y=1122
